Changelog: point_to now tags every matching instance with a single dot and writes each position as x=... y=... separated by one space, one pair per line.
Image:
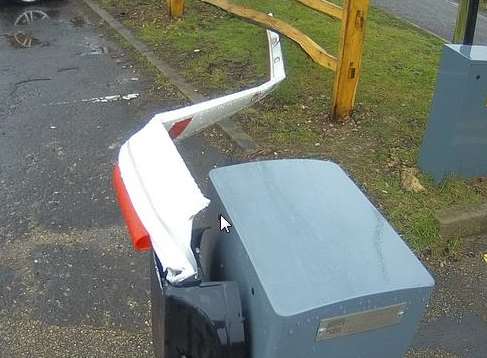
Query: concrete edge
x=462 y=221
x=230 y=127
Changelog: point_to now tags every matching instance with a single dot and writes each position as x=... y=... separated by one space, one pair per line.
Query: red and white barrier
x=158 y=196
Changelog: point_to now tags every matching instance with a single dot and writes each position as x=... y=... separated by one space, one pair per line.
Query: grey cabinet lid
x=476 y=54
x=312 y=235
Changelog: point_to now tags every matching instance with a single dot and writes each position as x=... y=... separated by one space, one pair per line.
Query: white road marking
x=106 y=99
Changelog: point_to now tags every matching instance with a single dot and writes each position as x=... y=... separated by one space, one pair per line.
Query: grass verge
x=220 y=53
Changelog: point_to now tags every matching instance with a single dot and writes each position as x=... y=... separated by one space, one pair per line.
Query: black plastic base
x=201 y=321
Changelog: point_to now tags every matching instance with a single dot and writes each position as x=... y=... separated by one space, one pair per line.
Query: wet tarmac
x=70 y=283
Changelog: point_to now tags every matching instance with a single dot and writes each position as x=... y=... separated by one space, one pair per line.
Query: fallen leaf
x=410 y=182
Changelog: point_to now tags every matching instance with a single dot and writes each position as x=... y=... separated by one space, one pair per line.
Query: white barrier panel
x=160 y=187
x=164 y=195
x=187 y=121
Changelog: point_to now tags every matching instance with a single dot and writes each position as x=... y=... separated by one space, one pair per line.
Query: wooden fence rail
x=318 y=55
x=325 y=7
x=347 y=64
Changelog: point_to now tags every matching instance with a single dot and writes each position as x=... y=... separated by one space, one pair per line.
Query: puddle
x=23 y=39
x=30 y=16
x=20 y=39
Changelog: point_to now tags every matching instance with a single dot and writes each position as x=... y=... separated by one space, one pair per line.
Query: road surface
x=436 y=16
x=70 y=284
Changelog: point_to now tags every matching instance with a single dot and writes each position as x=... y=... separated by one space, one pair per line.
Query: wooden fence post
x=349 y=57
x=176 y=7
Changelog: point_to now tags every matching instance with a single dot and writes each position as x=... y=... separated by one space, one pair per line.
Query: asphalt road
x=436 y=16
x=70 y=284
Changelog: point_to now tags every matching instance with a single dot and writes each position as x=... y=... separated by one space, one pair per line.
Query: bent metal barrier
x=186 y=121
x=347 y=64
x=150 y=168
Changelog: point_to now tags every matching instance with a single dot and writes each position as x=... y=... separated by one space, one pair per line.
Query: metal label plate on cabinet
x=360 y=322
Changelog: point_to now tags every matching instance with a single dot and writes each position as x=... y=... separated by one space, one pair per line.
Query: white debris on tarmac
x=105 y=99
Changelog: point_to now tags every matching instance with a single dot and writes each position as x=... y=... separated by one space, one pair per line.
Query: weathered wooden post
x=176 y=7
x=349 y=57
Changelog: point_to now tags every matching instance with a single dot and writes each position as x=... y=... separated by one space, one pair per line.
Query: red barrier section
x=139 y=235
x=179 y=128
